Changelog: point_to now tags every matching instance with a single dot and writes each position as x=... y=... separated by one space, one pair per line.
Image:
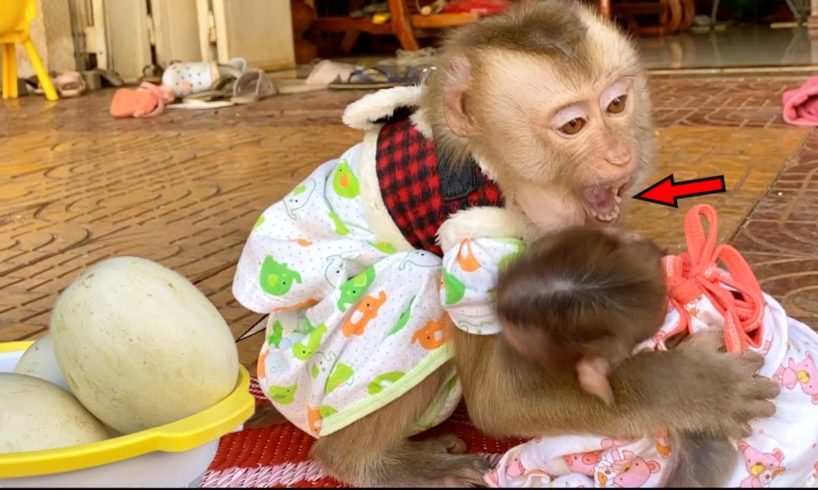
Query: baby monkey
x=580 y=300
x=577 y=302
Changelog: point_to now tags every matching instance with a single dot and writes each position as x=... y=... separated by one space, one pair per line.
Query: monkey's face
x=566 y=132
x=564 y=141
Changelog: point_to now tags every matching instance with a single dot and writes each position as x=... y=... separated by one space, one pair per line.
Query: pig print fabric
x=782 y=450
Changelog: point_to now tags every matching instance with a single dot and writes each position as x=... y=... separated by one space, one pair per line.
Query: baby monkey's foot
x=442 y=462
x=450 y=444
x=455 y=470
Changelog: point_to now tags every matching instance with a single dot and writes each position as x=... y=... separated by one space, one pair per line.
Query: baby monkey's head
x=581 y=300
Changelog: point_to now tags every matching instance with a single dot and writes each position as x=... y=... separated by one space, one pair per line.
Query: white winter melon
x=39 y=361
x=140 y=346
x=36 y=415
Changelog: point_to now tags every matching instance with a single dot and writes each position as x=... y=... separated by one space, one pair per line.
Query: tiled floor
x=744 y=46
x=77 y=186
x=735 y=46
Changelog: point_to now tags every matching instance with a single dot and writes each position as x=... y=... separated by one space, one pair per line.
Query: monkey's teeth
x=608 y=217
x=615 y=192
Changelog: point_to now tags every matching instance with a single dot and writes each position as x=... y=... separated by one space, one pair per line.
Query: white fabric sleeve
x=470 y=271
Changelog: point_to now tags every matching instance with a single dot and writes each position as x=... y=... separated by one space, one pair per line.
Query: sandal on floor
x=252 y=86
x=221 y=91
x=97 y=78
x=111 y=77
x=188 y=78
x=147 y=100
x=198 y=104
x=417 y=58
x=215 y=98
x=322 y=74
x=70 y=84
x=375 y=78
x=34 y=83
x=152 y=74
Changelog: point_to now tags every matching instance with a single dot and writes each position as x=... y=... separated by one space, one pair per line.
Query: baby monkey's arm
x=695 y=387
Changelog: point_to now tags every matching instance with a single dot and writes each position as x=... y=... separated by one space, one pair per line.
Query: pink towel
x=801 y=104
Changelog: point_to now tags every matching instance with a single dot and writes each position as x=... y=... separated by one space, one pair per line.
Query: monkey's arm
x=694 y=387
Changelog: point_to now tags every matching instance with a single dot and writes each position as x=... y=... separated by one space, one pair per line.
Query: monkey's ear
x=592 y=374
x=454 y=97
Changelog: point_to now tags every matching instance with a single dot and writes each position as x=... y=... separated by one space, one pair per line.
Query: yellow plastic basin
x=177 y=437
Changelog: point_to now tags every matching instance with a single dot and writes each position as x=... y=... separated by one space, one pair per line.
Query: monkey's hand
x=714 y=391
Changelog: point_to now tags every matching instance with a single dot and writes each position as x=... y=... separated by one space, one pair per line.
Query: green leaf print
x=344 y=181
x=277 y=279
x=383 y=380
x=518 y=245
x=455 y=290
x=340 y=227
x=326 y=411
x=259 y=222
x=385 y=247
x=304 y=349
x=275 y=337
x=282 y=394
x=514 y=242
x=338 y=376
x=355 y=288
x=507 y=259
x=403 y=319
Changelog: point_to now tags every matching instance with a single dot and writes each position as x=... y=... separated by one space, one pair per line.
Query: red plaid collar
x=419 y=192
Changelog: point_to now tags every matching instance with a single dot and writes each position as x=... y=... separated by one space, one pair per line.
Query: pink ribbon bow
x=735 y=293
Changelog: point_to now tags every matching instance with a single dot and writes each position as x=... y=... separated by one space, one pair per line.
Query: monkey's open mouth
x=602 y=200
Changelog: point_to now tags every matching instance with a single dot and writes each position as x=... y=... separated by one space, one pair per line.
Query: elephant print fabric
x=353 y=322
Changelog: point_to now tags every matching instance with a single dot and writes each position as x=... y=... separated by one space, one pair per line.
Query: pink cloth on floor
x=801 y=104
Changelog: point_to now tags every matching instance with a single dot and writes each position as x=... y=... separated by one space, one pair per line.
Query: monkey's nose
x=618 y=155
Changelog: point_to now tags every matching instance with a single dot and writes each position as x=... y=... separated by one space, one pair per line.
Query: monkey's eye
x=573 y=126
x=617 y=105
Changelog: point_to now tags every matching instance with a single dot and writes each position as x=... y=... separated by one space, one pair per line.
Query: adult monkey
x=535 y=120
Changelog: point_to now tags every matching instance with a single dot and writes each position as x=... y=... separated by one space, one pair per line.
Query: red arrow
x=667 y=191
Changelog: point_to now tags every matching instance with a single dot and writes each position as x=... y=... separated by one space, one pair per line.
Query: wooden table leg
x=604 y=8
x=303 y=17
x=350 y=38
x=402 y=25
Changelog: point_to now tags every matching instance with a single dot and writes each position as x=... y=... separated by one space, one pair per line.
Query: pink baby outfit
x=782 y=450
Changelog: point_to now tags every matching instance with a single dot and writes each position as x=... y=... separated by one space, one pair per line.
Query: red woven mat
x=277 y=456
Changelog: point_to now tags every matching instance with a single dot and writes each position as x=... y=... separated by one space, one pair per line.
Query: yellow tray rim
x=179 y=436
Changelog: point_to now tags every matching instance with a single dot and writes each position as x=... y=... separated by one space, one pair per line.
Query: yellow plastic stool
x=15 y=18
